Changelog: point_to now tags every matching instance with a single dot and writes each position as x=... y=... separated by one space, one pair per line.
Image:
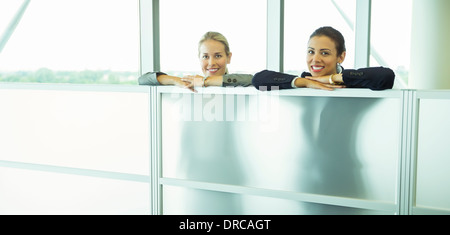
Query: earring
x=339 y=68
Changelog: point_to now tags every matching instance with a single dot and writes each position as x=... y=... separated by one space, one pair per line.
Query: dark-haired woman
x=326 y=51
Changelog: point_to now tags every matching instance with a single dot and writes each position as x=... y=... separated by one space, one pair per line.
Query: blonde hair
x=216 y=37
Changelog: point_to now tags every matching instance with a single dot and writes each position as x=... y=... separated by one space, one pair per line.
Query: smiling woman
x=339 y=14
x=214 y=56
x=326 y=51
x=214 y=53
x=242 y=22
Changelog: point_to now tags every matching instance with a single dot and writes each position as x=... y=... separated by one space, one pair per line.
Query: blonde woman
x=214 y=56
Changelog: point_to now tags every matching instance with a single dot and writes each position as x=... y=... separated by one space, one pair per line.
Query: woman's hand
x=193 y=80
x=176 y=81
x=181 y=83
x=328 y=79
x=317 y=83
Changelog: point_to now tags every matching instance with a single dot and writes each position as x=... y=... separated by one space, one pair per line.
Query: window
x=81 y=41
x=303 y=17
x=391 y=39
x=72 y=41
x=243 y=23
x=7 y=12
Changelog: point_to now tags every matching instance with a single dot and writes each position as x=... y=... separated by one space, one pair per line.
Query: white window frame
x=149 y=37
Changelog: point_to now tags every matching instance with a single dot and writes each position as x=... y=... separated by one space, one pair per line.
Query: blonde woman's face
x=213 y=58
x=322 y=57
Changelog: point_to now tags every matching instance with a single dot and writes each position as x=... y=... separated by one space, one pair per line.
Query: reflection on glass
x=316 y=145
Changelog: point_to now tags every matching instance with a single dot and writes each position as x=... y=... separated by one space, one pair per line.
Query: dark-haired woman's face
x=322 y=56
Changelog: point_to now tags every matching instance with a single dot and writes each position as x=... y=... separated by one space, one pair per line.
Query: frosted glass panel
x=323 y=145
x=95 y=130
x=433 y=156
x=178 y=200
x=35 y=192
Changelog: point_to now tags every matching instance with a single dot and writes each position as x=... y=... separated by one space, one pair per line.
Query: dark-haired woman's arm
x=267 y=80
x=374 y=78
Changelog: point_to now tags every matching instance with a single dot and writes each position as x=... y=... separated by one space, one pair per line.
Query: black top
x=375 y=78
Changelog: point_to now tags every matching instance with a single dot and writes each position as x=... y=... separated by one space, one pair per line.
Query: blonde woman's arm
x=158 y=78
x=227 y=80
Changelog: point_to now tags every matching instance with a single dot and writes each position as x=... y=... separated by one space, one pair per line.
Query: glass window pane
x=8 y=10
x=303 y=17
x=391 y=39
x=74 y=41
x=243 y=23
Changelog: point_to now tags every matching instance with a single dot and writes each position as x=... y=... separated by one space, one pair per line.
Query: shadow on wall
x=330 y=162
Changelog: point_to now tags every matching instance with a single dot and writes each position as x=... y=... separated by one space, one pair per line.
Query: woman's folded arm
x=150 y=78
x=267 y=79
x=375 y=78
